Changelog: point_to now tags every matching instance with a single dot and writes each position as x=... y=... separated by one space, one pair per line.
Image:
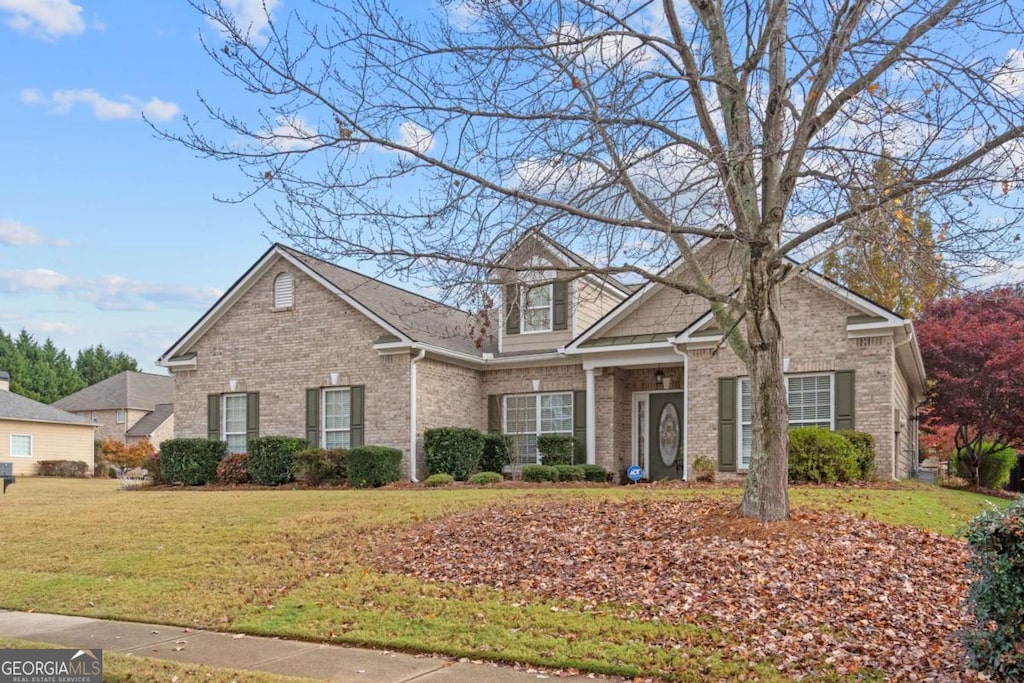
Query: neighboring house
x=128 y=407
x=302 y=347
x=31 y=431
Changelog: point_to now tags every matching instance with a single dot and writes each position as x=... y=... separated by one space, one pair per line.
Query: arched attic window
x=284 y=295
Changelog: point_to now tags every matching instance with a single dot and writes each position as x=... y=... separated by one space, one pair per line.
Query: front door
x=665 y=442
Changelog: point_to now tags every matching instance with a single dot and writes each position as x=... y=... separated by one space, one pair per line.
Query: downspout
x=412 y=414
x=686 y=409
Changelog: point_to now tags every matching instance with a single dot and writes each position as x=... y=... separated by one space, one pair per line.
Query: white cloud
x=1010 y=76
x=47 y=19
x=104 y=109
x=250 y=16
x=109 y=292
x=292 y=134
x=50 y=327
x=16 y=234
x=415 y=137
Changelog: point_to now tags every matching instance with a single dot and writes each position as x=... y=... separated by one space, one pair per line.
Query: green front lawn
x=291 y=563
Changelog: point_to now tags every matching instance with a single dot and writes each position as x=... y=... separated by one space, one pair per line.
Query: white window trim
x=121 y=417
x=281 y=278
x=30 y=446
x=323 y=415
x=524 y=299
x=740 y=422
x=224 y=433
x=540 y=423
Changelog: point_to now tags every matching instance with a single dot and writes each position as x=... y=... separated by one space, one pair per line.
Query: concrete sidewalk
x=251 y=653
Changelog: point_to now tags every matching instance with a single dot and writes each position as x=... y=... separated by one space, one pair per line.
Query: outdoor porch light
x=232 y=384
x=659 y=378
x=334 y=379
x=536 y=384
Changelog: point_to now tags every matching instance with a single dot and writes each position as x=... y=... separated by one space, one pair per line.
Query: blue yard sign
x=635 y=473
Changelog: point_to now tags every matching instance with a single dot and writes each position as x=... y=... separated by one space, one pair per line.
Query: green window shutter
x=313 y=417
x=511 y=310
x=845 y=401
x=727 y=424
x=213 y=417
x=560 y=305
x=252 y=415
x=494 y=413
x=357 y=400
x=579 y=425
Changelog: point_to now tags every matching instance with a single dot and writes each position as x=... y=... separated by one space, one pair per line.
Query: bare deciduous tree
x=630 y=130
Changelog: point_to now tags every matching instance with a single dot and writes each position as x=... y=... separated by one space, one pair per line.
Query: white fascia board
x=685 y=337
x=665 y=356
x=591 y=350
x=187 y=364
x=855 y=300
x=392 y=348
x=611 y=317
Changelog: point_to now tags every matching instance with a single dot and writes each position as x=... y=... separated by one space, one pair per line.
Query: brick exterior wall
x=106 y=423
x=163 y=432
x=446 y=396
x=281 y=353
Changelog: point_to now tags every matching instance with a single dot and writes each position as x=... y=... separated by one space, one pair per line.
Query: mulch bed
x=818 y=593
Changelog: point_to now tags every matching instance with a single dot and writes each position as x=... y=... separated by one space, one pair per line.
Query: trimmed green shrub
x=453 y=450
x=996 y=645
x=536 y=473
x=497 y=452
x=153 y=467
x=373 y=466
x=822 y=457
x=704 y=468
x=438 y=480
x=272 y=458
x=865 y=445
x=192 y=462
x=234 y=469
x=485 y=478
x=993 y=468
x=594 y=473
x=556 y=449
x=570 y=472
x=317 y=465
x=62 y=468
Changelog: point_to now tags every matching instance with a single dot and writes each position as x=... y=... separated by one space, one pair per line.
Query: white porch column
x=591 y=418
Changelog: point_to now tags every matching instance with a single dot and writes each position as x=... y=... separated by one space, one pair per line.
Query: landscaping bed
x=820 y=594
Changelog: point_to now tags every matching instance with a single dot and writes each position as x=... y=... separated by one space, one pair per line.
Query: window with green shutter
x=334 y=416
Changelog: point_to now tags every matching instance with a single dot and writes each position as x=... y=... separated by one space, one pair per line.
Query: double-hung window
x=537 y=308
x=234 y=426
x=810 y=405
x=337 y=418
x=527 y=416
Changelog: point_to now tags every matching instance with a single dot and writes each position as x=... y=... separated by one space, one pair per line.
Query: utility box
x=7 y=474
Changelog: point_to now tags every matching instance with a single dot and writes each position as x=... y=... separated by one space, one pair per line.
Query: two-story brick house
x=303 y=347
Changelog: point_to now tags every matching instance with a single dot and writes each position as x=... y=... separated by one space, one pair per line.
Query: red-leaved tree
x=973 y=349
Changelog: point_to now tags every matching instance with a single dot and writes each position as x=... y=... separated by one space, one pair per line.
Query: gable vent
x=284 y=295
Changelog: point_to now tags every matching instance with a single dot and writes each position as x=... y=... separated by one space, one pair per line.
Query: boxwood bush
x=865 y=445
x=594 y=473
x=318 y=465
x=272 y=458
x=453 y=450
x=192 y=462
x=438 y=480
x=556 y=449
x=485 y=478
x=373 y=466
x=570 y=472
x=703 y=468
x=995 y=646
x=537 y=473
x=62 y=468
x=497 y=452
x=822 y=457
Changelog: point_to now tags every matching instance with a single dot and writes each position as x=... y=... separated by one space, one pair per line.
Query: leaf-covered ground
x=819 y=594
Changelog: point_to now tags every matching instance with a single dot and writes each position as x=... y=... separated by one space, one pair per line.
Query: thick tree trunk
x=766 y=496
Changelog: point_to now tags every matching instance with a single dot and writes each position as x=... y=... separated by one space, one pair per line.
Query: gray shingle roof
x=419 y=318
x=15 y=407
x=150 y=422
x=137 y=390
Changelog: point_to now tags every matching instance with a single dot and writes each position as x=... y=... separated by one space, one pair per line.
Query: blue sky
x=107 y=234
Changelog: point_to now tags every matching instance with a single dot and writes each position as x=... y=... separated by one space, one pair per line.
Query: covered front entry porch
x=637 y=412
